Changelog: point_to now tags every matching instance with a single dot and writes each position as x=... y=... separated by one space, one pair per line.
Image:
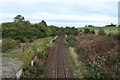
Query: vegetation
x=25 y=56
x=8 y=43
x=99 y=55
x=79 y=69
x=101 y=32
x=71 y=40
x=28 y=54
x=25 y=41
x=96 y=55
x=88 y=31
x=71 y=31
x=24 y=32
x=37 y=70
x=114 y=36
x=113 y=30
x=71 y=35
x=19 y=18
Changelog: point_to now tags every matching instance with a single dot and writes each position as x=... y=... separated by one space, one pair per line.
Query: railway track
x=59 y=64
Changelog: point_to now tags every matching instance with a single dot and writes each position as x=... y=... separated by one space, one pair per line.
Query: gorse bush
x=8 y=43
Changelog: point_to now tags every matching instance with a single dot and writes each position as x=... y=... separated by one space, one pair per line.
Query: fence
x=18 y=74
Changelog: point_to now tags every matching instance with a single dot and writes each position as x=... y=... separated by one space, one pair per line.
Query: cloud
x=62 y=12
x=69 y=1
x=96 y=19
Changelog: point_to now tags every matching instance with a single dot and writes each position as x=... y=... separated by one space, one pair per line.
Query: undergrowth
x=99 y=54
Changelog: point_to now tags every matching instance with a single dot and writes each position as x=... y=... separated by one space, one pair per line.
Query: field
x=113 y=30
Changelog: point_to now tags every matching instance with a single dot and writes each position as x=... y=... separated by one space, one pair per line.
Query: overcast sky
x=62 y=12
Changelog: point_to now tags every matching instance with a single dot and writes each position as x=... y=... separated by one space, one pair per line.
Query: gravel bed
x=9 y=67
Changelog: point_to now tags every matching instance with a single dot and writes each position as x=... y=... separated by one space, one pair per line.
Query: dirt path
x=59 y=64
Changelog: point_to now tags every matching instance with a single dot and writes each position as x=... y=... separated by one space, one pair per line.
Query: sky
x=119 y=13
x=76 y=13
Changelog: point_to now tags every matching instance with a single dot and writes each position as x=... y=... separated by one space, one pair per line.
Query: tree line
x=23 y=30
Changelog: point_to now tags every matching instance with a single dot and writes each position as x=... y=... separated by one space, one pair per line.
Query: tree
x=85 y=25
x=24 y=31
x=90 y=26
x=86 y=30
x=19 y=18
x=43 y=23
x=111 y=24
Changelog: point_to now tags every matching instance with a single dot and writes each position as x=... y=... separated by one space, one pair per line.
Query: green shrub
x=109 y=35
x=81 y=57
x=8 y=43
x=71 y=40
x=80 y=31
x=34 y=48
x=71 y=31
x=114 y=36
x=93 y=32
x=101 y=32
x=86 y=31
x=25 y=31
x=117 y=36
x=33 y=72
x=93 y=71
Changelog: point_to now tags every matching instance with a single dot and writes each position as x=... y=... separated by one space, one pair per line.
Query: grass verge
x=79 y=68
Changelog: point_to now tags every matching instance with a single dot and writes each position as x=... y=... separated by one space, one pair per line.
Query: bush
x=25 y=30
x=8 y=43
x=86 y=30
x=25 y=40
x=81 y=57
x=93 y=32
x=100 y=51
x=101 y=32
x=93 y=71
x=71 y=31
x=109 y=35
x=114 y=36
x=71 y=40
x=117 y=37
x=80 y=31
x=33 y=72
